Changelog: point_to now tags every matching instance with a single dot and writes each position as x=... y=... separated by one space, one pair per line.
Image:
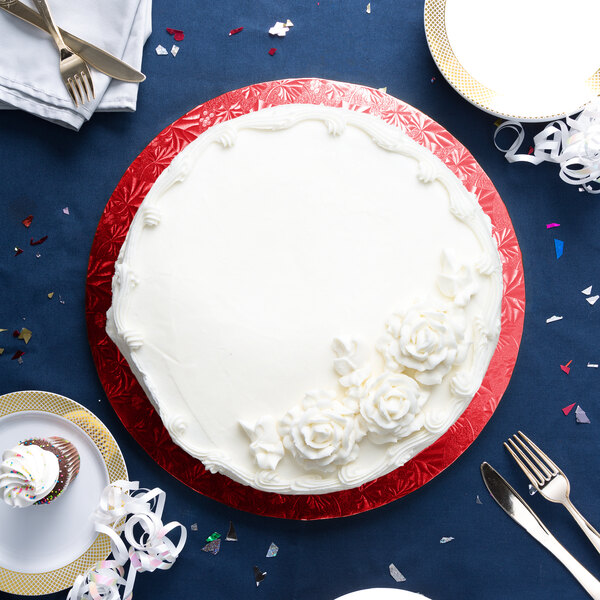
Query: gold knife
x=97 y=58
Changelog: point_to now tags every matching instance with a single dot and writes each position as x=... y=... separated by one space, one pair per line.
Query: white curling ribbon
x=574 y=144
x=150 y=551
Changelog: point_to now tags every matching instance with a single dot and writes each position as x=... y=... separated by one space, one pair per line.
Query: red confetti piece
x=17 y=354
x=568 y=409
x=40 y=241
x=272 y=51
x=177 y=34
x=236 y=30
x=530 y=151
x=18 y=251
x=27 y=220
x=566 y=367
x=16 y=333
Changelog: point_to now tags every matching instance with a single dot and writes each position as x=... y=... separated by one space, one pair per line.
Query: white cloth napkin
x=29 y=75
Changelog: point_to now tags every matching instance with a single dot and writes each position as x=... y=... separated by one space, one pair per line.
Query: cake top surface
x=308 y=297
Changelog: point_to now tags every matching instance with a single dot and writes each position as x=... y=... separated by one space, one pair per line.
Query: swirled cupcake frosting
x=27 y=475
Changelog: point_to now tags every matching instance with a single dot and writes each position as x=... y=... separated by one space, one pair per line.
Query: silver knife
x=516 y=508
x=99 y=59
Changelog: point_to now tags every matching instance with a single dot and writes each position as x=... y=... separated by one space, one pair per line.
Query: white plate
x=382 y=594
x=43 y=548
x=533 y=61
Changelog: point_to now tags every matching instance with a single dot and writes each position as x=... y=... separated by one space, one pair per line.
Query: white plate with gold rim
x=382 y=594
x=43 y=548
x=537 y=60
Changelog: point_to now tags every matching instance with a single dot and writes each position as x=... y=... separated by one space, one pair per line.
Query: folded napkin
x=29 y=74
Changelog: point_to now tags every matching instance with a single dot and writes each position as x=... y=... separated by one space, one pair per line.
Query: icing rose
x=27 y=474
x=456 y=280
x=321 y=432
x=266 y=445
x=428 y=340
x=391 y=407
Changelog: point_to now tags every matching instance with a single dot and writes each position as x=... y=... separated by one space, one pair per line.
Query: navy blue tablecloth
x=44 y=168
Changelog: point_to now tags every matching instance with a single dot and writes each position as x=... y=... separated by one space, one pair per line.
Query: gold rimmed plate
x=531 y=61
x=43 y=548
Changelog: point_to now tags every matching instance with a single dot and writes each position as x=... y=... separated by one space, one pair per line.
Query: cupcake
x=37 y=471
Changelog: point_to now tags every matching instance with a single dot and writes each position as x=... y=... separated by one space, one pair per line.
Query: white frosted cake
x=308 y=297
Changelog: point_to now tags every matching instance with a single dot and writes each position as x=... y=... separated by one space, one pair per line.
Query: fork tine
x=526 y=464
x=549 y=462
x=542 y=478
x=82 y=84
x=75 y=89
x=523 y=466
x=80 y=88
x=71 y=91
x=540 y=467
x=87 y=78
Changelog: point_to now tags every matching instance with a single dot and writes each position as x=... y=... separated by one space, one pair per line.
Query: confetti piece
x=177 y=34
x=20 y=360
x=1 y=351
x=383 y=89
x=16 y=333
x=17 y=354
x=580 y=415
x=18 y=251
x=66 y=210
x=259 y=575
x=32 y=242
x=567 y=409
x=288 y=23
x=593 y=299
x=498 y=122
x=51 y=295
x=559 y=247
x=445 y=540
x=396 y=574
x=194 y=526
x=532 y=490
x=368 y=8
x=212 y=547
x=592 y=365
x=553 y=318
x=174 y=50
x=60 y=299
x=587 y=291
x=478 y=500
x=25 y=335
x=432 y=80
x=551 y=225
x=161 y=50
x=272 y=51
x=213 y=536
x=530 y=151
x=236 y=30
x=231 y=534
x=566 y=368
x=279 y=29
x=1 y=330
x=273 y=550
x=27 y=220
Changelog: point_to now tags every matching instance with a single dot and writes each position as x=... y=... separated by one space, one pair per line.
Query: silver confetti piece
x=396 y=574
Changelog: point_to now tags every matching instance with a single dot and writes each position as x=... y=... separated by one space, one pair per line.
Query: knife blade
x=96 y=57
x=516 y=508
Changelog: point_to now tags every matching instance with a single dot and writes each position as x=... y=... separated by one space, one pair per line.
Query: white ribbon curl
x=574 y=144
x=149 y=551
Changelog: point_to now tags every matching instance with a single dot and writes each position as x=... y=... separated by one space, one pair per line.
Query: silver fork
x=74 y=71
x=547 y=478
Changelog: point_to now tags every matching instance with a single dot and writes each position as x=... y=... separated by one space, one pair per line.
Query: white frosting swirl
x=266 y=445
x=427 y=339
x=391 y=407
x=321 y=432
x=456 y=280
x=27 y=474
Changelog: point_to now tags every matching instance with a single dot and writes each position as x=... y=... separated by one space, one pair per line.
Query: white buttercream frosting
x=27 y=474
x=308 y=297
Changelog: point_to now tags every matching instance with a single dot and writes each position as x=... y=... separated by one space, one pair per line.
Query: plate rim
x=128 y=399
x=462 y=81
x=56 y=580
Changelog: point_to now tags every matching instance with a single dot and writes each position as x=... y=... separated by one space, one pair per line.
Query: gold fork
x=74 y=71
x=547 y=478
